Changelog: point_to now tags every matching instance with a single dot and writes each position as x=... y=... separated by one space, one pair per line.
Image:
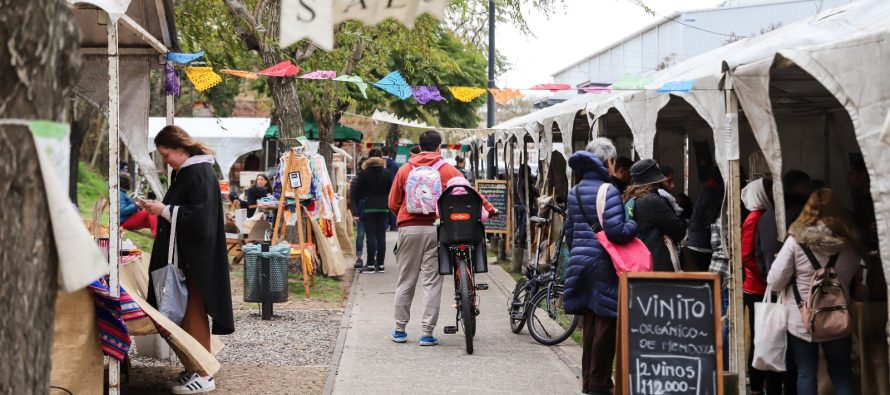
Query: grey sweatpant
x=417 y=258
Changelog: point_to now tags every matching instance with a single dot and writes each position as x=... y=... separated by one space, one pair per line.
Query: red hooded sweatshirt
x=397 y=193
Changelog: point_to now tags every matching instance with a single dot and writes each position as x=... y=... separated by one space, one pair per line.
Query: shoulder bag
x=630 y=257
x=171 y=292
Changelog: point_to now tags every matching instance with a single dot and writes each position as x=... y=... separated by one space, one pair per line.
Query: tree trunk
x=38 y=62
x=284 y=90
x=84 y=118
x=325 y=122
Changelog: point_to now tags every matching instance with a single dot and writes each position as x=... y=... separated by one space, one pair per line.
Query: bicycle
x=538 y=296
x=462 y=252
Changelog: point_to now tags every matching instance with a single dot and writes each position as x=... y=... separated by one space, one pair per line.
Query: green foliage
x=90 y=188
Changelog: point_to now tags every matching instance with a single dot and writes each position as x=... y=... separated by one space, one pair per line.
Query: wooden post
x=737 y=354
x=113 y=187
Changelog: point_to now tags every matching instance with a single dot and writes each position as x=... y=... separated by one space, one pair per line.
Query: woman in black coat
x=260 y=189
x=653 y=213
x=372 y=185
x=200 y=243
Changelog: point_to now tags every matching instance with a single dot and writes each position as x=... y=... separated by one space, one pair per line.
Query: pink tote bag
x=633 y=256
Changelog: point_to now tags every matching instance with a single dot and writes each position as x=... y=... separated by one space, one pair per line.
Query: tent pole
x=685 y=162
x=113 y=187
x=737 y=317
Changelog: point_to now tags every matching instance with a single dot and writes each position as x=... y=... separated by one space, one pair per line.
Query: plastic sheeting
x=228 y=137
x=134 y=86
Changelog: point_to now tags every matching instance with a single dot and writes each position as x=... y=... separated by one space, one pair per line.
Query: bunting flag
x=358 y=81
x=466 y=94
x=171 y=81
x=283 y=69
x=503 y=96
x=676 y=86
x=319 y=75
x=240 y=73
x=632 y=81
x=597 y=89
x=425 y=93
x=395 y=84
x=551 y=87
x=184 y=58
x=202 y=77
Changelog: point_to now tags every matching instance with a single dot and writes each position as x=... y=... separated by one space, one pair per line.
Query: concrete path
x=503 y=362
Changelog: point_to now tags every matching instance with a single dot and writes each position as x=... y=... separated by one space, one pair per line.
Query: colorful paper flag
x=597 y=89
x=632 y=81
x=184 y=58
x=466 y=94
x=395 y=84
x=676 y=86
x=240 y=73
x=358 y=81
x=202 y=77
x=552 y=87
x=319 y=75
x=503 y=96
x=171 y=81
x=283 y=69
x=424 y=93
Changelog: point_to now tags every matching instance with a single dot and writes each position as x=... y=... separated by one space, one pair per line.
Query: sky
x=576 y=30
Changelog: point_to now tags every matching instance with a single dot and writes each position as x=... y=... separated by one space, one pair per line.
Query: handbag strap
x=598 y=203
x=170 y=256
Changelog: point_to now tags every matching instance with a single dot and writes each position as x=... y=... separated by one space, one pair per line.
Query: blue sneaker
x=428 y=341
x=399 y=336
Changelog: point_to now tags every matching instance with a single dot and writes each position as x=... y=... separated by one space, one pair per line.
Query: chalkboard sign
x=670 y=334
x=498 y=194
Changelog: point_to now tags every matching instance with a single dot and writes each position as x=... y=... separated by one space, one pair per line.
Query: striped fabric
x=111 y=313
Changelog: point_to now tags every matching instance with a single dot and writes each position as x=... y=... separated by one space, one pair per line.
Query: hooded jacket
x=372 y=184
x=397 y=192
x=792 y=264
x=590 y=279
x=756 y=200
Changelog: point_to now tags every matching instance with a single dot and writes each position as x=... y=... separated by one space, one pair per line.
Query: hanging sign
x=315 y=19
x=295 y=180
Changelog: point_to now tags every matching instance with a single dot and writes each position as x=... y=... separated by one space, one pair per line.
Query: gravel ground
x=291 y=338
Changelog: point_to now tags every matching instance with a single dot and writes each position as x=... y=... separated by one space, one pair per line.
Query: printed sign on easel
x=296 y=181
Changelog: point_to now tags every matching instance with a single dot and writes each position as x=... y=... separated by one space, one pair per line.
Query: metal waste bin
x=265 y=274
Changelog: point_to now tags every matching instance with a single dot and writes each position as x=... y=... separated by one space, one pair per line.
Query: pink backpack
x=423 y=188
x=631 y=257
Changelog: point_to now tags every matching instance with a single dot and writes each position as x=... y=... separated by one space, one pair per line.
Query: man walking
x=416 y=252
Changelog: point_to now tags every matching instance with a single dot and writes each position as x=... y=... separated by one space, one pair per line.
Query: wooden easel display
x=289 y=162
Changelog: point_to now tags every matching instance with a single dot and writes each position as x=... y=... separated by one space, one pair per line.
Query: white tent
x=229 y=138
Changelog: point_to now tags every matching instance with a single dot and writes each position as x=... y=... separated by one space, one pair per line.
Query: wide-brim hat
x=645 y=172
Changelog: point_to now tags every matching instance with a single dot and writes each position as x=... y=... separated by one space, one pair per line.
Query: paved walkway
x=503 y=362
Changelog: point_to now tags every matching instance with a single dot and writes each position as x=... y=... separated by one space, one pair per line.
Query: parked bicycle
x=538 y=296
x=462 y=252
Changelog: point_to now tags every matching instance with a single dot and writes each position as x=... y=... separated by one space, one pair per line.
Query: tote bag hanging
x=770 y=337
x=630 y=257
x=171 y=293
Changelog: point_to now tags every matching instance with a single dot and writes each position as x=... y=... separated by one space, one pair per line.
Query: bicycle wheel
x=518 y=304
x=548 y=323
x=466 y=303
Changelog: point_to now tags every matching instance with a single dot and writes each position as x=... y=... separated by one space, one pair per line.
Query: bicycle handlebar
x=559 y=210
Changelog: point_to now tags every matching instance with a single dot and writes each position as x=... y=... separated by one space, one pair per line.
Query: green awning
x=341 y=133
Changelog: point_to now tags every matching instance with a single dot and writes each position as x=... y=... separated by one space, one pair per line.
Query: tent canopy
x=341 y=133
x=229 y=138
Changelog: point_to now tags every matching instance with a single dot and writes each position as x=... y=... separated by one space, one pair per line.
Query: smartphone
x=140 y=201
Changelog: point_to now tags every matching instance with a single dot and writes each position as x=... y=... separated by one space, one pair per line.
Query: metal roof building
x=683 y=35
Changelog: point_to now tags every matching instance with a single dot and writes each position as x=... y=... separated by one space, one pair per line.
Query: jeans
x=773 y=380
x=837 y=356
x=359 y=237
x=375 y=230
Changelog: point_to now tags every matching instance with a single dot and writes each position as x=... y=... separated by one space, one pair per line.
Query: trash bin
x=260 y=287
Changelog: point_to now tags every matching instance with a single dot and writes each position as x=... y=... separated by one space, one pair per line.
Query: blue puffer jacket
x=590 y=280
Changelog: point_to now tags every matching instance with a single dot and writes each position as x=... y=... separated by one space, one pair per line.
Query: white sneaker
x=179 y=380
x=195 y=385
